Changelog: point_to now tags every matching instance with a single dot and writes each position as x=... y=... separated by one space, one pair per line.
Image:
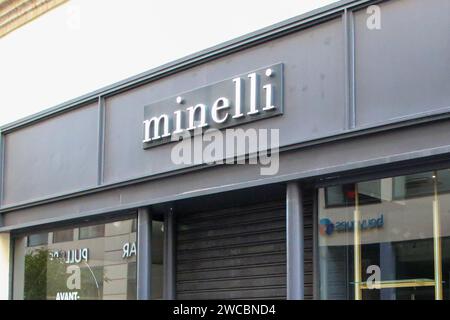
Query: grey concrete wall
x=51 y=157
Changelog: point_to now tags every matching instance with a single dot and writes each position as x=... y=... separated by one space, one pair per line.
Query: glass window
x=63 y=235
x=132 y=284
x=89 y=232
x=92 y=283
x=37 y=239
x=344 y=195
x=382 y=239
x=101 y=265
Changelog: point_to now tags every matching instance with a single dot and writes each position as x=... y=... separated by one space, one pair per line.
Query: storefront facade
x=353 y=102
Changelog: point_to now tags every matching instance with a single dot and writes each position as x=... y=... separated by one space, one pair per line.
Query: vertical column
x=437 y=242
x=349 y=36
x=357 y=246
x=169 y=288
x=5 y=265
x=316 y=257
x=144 y=254
x=295 y=242
x=101 y=140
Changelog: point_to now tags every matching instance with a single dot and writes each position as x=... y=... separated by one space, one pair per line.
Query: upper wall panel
x=314 y=97
x=403 y=68
x=51 y=157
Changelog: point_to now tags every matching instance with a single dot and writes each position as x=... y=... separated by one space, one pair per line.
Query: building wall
x=354 y=98
x=101 y=144
x=4 y=265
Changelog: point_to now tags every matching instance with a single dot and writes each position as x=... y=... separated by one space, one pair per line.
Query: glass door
x=386 y=238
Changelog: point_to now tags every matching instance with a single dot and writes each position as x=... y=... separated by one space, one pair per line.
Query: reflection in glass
x=89 y=232
x=93 y=265
x=37 y=239
x=401 y=227
x=63 y=235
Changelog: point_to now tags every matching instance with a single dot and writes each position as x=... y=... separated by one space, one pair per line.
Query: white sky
x=84 y=45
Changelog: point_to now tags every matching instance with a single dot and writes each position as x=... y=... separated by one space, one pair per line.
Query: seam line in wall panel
x=349 y=65
x=352 y=71
x=346 y=68
x=101 y=140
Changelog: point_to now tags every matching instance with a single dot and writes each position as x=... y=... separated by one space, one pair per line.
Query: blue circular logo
x=326 y=227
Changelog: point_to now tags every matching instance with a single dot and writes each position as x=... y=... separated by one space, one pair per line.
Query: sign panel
x=241 y=99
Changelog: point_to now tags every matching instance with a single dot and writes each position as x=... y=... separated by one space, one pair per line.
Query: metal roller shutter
x=238 y=253
x=308 y=227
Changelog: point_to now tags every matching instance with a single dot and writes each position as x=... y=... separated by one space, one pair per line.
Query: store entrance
x=232 y=245
x=386 y=239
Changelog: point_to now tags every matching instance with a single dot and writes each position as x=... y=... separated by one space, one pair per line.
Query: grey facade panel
x=50 y=157
x=314 y=90
x=375 y=149
x=403 y=68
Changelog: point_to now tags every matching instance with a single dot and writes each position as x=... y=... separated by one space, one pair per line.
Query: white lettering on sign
x=128 y=250
x=67 y=296
x=71 y=256
x=74 y=280
x=242 y=99
x=373 y=281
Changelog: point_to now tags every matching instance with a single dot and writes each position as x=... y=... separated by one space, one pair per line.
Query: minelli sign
x=241 y=99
